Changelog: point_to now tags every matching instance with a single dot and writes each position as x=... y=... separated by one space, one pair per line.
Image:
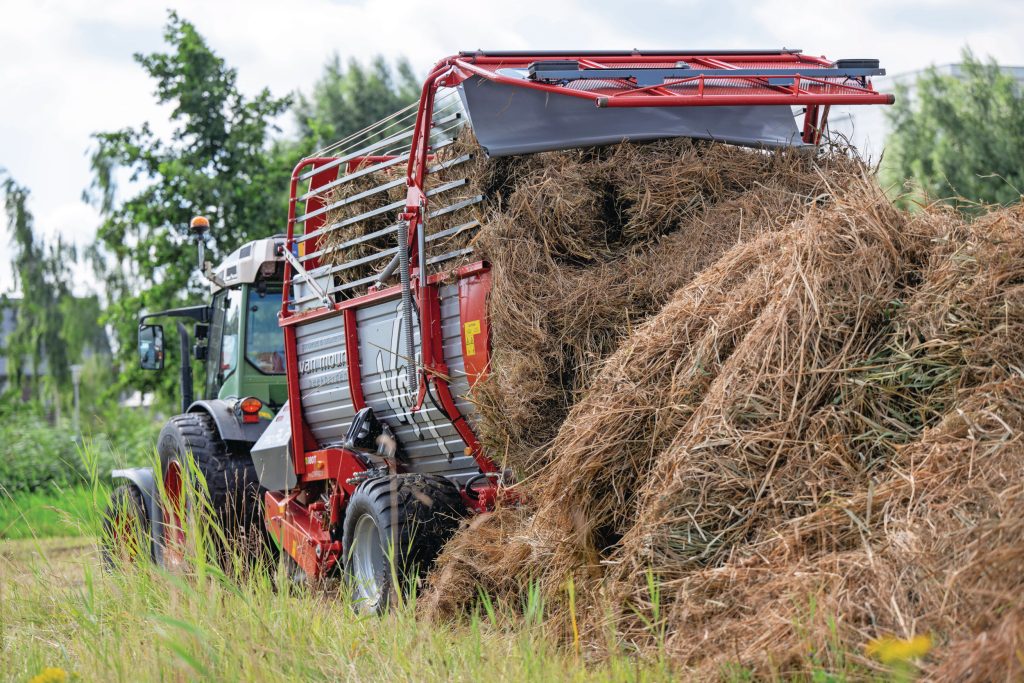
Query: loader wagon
x=375 y=457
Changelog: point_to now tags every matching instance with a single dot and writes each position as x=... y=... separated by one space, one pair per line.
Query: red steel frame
x=298 y=527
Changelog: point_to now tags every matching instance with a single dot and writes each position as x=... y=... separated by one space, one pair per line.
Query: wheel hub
x=367 y=555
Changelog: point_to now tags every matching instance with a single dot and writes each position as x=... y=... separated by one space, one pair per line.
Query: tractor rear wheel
x=189 y=444
x=394 y=528
x=126 y=533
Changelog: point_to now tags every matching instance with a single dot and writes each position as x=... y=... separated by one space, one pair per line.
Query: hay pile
x=585 y=244
x=816 y=440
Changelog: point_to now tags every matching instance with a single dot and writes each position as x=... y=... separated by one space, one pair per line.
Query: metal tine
x=353 y=242
x=350 y=199
x=446 y=257
x=403 y=131
x=333 y=269
x=357 y=240
x=378 y=189
x=400 y=117
x=377 y=212
x=454 y=230
x=401 y=154
x=391 y=228
x=455 y=207
x=366 y=280
x=446 y=134
x=441 y=119
x=349 y=177
x=353 y=284
x=365 y=151
x=386 y=122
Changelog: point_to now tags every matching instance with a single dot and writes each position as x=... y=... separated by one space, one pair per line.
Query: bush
x=35 y=453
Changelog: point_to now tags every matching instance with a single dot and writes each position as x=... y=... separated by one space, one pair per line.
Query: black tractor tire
x=404 y=517
x=126 y=529
x=232 y=485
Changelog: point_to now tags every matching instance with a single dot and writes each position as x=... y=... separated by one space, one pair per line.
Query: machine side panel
x=323 y=379
x=430 y=443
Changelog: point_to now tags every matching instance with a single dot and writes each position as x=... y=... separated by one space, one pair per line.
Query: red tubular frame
x=816 y=95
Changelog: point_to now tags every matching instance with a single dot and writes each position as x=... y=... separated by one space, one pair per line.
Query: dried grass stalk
x=819 y=437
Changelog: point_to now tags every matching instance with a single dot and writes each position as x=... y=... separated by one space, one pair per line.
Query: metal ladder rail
x=376 y=212
x=331 y=270
x=400 y=120
x=351 y=199
x=400 y=154
x=373 y=147
x=346 y=286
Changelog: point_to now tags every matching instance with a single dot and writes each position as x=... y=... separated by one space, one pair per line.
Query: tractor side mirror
x=151 y=347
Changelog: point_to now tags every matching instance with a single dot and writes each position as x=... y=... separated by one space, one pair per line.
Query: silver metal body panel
x=511 y=120
x=272 y=454
x=429 y=442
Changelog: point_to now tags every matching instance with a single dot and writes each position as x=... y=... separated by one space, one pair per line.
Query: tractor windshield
x=264 y=346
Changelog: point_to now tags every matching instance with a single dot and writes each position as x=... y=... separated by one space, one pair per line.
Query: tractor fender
x=231 y=429
x=142 y=478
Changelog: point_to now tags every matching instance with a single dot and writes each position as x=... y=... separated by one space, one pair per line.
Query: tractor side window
x=215 y=337
x=223 y=337
x=264 y=341
x=229 y=346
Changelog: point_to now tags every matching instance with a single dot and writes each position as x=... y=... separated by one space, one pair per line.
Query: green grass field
x=62 y=611
x=54 y=511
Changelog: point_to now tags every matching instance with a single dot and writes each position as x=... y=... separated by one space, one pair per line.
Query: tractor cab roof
x=259 y=258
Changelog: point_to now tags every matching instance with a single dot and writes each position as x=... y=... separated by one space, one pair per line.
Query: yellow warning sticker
x=469 y=331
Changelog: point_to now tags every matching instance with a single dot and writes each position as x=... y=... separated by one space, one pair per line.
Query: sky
x=66 y=67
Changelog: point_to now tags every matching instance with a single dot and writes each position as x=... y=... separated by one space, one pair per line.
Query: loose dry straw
x=823 y=424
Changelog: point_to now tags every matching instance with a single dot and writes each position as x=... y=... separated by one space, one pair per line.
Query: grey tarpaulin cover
x=508 y=120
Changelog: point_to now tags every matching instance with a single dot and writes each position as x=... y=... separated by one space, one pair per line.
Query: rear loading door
x=429 y=443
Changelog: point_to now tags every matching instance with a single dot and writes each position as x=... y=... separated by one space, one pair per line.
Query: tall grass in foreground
x=228 y=618
x=140 y=623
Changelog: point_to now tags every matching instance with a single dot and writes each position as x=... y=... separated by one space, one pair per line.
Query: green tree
x=349 y=98
x=960 y=138
x=42 y=274
x=215 y=162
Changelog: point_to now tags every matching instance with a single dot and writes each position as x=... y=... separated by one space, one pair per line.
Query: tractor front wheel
x=394 y=528
x=126 y=534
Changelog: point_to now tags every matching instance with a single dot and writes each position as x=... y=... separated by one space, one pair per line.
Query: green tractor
x=237 y=339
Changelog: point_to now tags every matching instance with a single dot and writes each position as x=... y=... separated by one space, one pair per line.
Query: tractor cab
x=244 y=346
x=236 y=336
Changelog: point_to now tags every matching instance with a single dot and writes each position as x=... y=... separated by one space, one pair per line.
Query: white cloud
x=66 y=69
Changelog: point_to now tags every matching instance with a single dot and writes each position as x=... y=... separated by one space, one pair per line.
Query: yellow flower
x=50 y=675
x=890 y=650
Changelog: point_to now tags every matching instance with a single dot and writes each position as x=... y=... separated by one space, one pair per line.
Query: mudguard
x=144 y=480
x=230 y=428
